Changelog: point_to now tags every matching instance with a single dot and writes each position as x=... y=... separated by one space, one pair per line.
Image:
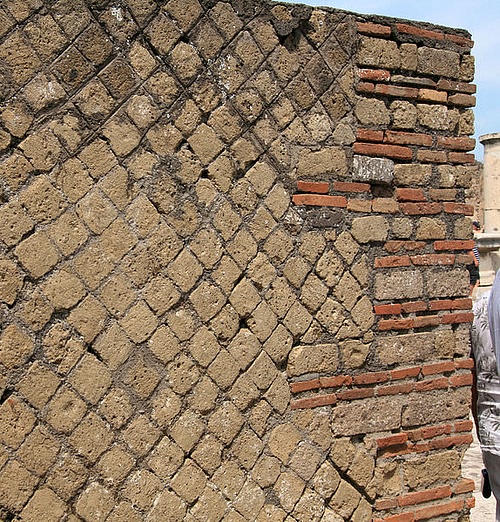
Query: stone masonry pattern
x=233 y=239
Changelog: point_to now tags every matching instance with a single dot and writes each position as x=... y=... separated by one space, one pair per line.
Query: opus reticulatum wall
x=233 y=239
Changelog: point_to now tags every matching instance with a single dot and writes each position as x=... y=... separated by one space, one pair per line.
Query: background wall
x=233 y=240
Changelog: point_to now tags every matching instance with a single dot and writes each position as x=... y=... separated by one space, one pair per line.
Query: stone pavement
x=471 y=468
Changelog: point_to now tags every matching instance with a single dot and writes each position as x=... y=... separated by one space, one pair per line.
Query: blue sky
x=480 y=17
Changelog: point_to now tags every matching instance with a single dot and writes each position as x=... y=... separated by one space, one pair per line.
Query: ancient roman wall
x=233 y=239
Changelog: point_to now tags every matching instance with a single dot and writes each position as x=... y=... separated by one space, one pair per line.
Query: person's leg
x=492 y=463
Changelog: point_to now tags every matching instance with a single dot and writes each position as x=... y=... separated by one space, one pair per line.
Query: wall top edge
x=380 y=19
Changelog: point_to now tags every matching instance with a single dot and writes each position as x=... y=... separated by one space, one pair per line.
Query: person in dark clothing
x=473 y=266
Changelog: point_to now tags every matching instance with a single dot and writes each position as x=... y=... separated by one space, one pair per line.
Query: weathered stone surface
x=367 y=416
x=407 y=349
x=438 y=62
x=399 y=285
x=307 y=359
x=210 y=214
x=373 y=170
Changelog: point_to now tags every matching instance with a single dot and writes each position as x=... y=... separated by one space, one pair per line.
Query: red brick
x=410 y=194
x=392 y=261
x=418 y=497
x=460 y=40
x=414 y=306
x=385 y=205
x=461 y=380
x=395 y=389
x=404 y=373
x=454 y=86
x=343 y=186
x=395 y=324
x=433 y=259
x=421 y=447
x=417 y=31
x=387 y=309
x=335 y=381
x=454 y=245
x=432 y=384
x=374 y=29
x=370 y=135
x=466 y=425
x=415 y=435
x=316 y=187
x=442 y=304
x=313 y=402
x=462 y=304
x=426 y=320
x=442 y=509
x=462 y=100
x=383 y=504
x=432 y=156
x=393 y=440
x=375 y=75
x=395 y=246
x=401 y=517
x=319 y=200
x=389 y=151
x=448 y=442
x=408 y=138
x=470 y=502
x=359 y=205
x=419 y=209
x=365 y=87
x=457 y=318
x=458 y=208
x=463 y=144
x=432 y=95
x=296 y=387
x=396 y=91
x=435 y=431
x=371 y=378
x=461 y=157
x=466 y=485
x=358 y=393
x=464 y=363
x=443 y=194
x=440 y=367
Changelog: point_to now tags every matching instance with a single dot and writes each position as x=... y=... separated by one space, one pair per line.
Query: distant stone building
x=233 y=239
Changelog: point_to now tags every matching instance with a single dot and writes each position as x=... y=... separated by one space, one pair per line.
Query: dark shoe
x=485 y=486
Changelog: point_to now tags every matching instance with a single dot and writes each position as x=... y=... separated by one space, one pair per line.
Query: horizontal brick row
x=420 y=306
x=434 y=91
x=338 y=381
x=410 y=323
x=435 y=35
x=379 y=205
x=419 y=260
x=453 y=506
x=418 y=94
x=416 y=138
x=408 y=448
x=323 y=187
x=426 y=495
x=439 y=246
x=376 y=384
x=422 y=434
x=407 y=153
x=381 y=30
